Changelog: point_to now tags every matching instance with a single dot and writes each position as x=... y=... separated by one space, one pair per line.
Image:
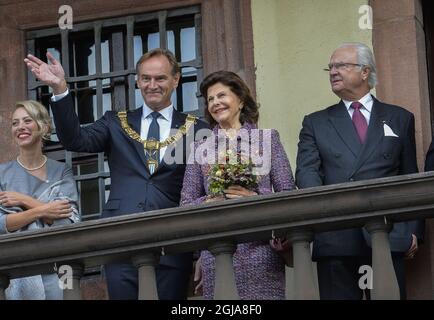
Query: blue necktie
x=153 y=156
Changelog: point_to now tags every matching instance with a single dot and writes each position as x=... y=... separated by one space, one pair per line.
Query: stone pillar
x=11 y=67
x=385 y=284
x=228 y=25
x=400 y=50
x=73 y=292
x=225 y=287
x=145 y=263
x=305 y=287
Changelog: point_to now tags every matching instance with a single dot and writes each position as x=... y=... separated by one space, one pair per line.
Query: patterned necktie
x=359 y=121
x=153 y=156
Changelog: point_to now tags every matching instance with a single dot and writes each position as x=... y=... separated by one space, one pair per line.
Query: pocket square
x=388 y=132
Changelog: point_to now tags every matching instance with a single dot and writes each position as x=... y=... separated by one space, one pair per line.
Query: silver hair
x=366 y=58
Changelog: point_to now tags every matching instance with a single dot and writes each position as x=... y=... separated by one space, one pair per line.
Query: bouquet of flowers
x=223 y=175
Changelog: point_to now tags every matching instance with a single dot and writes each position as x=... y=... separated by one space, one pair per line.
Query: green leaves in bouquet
x=222 y=176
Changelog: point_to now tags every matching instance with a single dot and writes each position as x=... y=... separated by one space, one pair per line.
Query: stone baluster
x=384 y=282
x=70 y=276
x=145 y=263
x=225 y=287
x=305 y=287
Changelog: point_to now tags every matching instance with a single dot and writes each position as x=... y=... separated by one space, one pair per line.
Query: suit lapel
x=375 y=133
x=135 y=120
x=341 y=121
x=178 y=119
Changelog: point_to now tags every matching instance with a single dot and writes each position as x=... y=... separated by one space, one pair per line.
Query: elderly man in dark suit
x=141 y=178
x=359 y=138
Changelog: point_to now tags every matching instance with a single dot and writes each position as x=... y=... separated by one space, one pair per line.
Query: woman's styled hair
x=249 y=112
x=39 y=114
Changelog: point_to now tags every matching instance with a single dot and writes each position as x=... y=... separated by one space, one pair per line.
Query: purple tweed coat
x=259 y=271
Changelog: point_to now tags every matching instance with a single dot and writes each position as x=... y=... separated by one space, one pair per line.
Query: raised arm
x=51 y=74
x=93 y=138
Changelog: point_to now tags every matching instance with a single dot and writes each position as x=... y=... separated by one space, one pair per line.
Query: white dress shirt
x=367 y=103
x=57 y=97
x=165 y=121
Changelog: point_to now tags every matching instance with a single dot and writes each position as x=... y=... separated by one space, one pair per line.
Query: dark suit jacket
x=429 y=161
x=330 y=152
x=133 y=189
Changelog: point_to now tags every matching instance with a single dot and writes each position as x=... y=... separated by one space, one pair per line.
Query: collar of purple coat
x=246 y=125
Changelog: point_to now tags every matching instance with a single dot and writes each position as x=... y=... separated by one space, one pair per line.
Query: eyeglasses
x=342 y=66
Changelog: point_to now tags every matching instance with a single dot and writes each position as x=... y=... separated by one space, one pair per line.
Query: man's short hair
x=160 y=52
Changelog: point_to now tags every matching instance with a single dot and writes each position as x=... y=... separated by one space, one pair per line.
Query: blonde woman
x=35 y=193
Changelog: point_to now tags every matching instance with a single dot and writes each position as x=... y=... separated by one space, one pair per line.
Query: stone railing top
x=196 y=227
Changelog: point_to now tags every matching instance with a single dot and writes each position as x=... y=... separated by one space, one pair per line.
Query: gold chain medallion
x=152 y=146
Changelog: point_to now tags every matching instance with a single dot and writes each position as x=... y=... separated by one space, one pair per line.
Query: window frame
x=126 y=70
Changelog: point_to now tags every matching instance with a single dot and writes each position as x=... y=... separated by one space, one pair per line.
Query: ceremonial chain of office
x=150 y=145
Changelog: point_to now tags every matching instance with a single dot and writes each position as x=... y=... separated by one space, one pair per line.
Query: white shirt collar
x=166 y=113
x=366 y=101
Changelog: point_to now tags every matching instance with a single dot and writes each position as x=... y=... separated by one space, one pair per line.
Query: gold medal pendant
x=152 y=165
x=151 y=149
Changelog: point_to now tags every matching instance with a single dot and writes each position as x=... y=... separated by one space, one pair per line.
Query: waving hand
x=51 y=74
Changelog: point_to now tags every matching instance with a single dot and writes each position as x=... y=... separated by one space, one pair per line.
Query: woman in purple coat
x=233 y=113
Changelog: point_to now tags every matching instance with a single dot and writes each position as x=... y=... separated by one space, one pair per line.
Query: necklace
x=151 y=146
x=33 y=169
x=231 y=133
